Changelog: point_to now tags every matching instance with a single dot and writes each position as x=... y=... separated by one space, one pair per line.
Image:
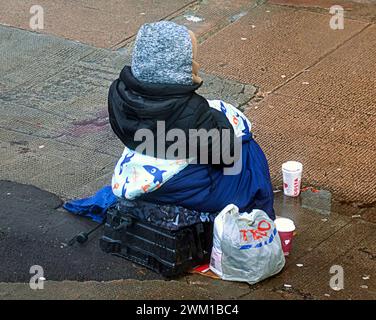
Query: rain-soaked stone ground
x=56 y=143
x=35 y=230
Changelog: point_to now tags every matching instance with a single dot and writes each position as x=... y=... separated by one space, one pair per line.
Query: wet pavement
x=103 y=24
x=309 y=100
x=316 y=83
x=326 y=115
x=269 y=43
x=59 y=120
x=363 y=10
x=255 y=54
x=35 y=231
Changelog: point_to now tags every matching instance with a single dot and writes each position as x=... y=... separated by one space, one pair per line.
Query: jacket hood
x=151 y=90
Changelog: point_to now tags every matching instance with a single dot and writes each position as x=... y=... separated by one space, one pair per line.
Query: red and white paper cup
x=285 y=228
x=292 y=178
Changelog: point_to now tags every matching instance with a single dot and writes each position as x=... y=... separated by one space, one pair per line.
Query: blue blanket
x=94 y=207
x=207 y=189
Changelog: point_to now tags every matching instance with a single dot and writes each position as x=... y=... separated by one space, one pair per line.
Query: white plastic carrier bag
x=246 y=246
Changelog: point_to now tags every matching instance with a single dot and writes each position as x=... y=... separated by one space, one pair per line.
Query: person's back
x=157 y=114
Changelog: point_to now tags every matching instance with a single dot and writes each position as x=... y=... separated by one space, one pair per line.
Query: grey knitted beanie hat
x=163 y=54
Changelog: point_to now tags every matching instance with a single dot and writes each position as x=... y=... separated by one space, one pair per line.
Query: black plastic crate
x=168 y=252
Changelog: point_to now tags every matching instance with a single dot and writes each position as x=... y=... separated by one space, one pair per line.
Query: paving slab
x=115 y=24
x=30 y=121
x=55 y=86
x=65 y=177
x=326 y=118
x=332 y=160
x=208 y=16
x=94 y=137
x=119 y=290
x=236 y=93
x=322 y=241
x=31 y=58
x=311 y=228
x=22 y=162
x=344 y=80
x=103 y=24
x=57 y=167
x=311 y=281
x=90 y=188
x=364 y=10
x=271 y=44
x=57 y=125
x=15 y=144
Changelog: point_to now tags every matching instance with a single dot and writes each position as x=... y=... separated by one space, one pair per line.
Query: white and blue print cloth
x=136 y=174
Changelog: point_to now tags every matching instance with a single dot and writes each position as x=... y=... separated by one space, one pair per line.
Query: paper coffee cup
x=285 y=228
x=292 y=178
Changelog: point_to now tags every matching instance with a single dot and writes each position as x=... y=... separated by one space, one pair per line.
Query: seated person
x=154 y=108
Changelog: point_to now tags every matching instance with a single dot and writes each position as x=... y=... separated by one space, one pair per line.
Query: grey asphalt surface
x=35 y=230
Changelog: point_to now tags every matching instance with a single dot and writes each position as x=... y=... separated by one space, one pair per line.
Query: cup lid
x=284 y=224
x=292 y=166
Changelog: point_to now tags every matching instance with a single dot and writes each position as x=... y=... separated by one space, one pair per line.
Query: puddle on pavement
x=319 y=201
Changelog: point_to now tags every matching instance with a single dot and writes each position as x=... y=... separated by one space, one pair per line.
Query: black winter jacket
x=135 y=105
